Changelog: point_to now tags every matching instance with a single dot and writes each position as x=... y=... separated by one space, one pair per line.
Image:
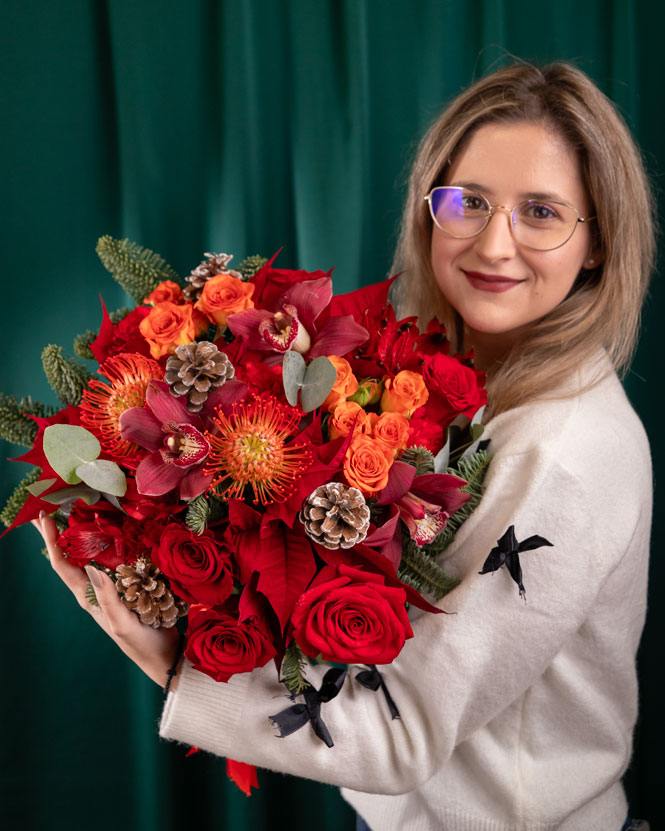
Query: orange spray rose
x=367 y=464
x=404 y=393
x=393 y=430
x=224 y=295
x=347 y=413
x=168 y=326
x=345 y=384
x=166 y=292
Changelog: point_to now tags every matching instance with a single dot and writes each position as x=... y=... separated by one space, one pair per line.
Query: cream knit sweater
x=515 y=716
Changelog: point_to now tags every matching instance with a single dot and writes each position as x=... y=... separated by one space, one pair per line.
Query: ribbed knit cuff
x=198 y=703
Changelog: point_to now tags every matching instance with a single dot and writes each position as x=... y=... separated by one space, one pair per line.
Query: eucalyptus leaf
x=66 y=447
x=319 y=379
x=476 y=431
x=37 y=488
x=114 y=501
x=88 y=495
x=103 y=476
x=442 y=457
x=293 y=374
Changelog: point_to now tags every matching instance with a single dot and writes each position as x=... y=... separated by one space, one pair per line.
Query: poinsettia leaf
x=103 y=475
x=67 y=446
x=88 y=495
x=38 y=488
x=320 y=376
x=293 y=374
x=285 y=563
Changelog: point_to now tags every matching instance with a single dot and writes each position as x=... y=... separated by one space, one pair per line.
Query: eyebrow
x=540 y=195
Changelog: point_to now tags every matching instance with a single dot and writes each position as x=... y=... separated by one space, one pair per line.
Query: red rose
x=454 y=388
x=219 y=645
x=351 y=616
x=424 y=432
x=198 y=566
x=126 y=336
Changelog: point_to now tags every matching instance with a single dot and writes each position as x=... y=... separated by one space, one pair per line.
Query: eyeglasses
x=535 y=223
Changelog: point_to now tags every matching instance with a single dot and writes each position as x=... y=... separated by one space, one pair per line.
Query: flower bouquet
x=275 y=466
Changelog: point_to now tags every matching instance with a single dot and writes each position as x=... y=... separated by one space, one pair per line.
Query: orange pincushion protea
x=103 y=404
x=250 y=449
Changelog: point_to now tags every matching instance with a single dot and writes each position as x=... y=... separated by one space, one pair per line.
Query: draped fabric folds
x=242 y=126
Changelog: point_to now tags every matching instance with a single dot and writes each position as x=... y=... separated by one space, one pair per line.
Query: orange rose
x=343 y=418
x=404 y=393
x=393 y=430
x=167 y=326
x=166 y=292
x=224 y=295
x=367 y=464
x=345 y=384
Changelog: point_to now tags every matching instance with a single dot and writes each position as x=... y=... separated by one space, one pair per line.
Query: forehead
x=513 y=161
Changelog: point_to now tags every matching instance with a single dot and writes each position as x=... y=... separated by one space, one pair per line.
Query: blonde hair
x=603 y=308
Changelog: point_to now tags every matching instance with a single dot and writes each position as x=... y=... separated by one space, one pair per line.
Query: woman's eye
x=473 y=203
x=538 y=211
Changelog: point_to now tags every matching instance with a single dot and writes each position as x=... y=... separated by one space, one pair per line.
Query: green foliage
x=419 y=457
x=18 y=497
x=67 y=377
x=82 y=342
x=203 y=510
x=90 y=595
x=138 y=270
x=15 y=426
x=250 y=265
x=293 y=667
x=422 y=572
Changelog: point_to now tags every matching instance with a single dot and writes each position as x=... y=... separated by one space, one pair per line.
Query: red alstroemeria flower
x=175 y=438
x=291 y=323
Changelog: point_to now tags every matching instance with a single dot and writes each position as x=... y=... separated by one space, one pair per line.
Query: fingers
x=118 y=617
x=70 y=574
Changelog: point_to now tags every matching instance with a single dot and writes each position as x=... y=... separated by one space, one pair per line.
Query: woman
x=528 y=231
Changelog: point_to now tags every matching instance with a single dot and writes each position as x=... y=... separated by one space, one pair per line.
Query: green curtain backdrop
x=240 y=126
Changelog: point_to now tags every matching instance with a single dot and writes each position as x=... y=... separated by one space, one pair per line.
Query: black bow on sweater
x=297 y=716
x=506 y=552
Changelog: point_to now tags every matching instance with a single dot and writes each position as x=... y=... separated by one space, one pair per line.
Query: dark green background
x=239 y=126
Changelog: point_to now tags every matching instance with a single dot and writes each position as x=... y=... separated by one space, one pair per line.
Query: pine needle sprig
x=15 y=425
x=293 y=666
x=82 y=342
x=250 y=265
x=419 y=457
x=90 y=595
x=67 y=377
x=203 y=510
x=18 y=497
x=138 y=270
x=422 y=572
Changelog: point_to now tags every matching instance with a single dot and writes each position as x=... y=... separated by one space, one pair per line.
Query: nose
x=496 y=241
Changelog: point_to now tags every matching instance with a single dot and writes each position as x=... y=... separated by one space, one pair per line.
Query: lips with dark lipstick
x=496 y=283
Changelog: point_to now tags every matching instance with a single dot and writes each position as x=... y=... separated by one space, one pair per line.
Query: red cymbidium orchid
x=425 y=502
x=291 y=323
x=175 y=437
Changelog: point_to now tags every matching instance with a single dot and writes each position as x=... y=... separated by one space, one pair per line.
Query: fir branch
x=422 y=572
x=18 y=497
x=473 y=469
x=138 y=270
x=15 y=425
x=67 y=377
x=250 y=265
x=419 y=457
x=82 y=342
x=293 y=666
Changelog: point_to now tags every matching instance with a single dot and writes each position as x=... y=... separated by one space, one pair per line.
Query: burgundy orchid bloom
x=425 y=502
x=291 y=324
x=175 y=438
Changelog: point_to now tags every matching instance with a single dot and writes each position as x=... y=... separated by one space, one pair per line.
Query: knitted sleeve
x=461 y=669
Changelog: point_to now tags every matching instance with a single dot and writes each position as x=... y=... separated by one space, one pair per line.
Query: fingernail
x=94 y=576
x=42 y=514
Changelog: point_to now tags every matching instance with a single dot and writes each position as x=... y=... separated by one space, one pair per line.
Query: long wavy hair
x=603 y=307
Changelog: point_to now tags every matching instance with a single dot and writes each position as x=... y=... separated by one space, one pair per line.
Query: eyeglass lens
x=539 y=224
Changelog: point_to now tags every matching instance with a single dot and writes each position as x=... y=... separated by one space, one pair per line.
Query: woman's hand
x=152 y=650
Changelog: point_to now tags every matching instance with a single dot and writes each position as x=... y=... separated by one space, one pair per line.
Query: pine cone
x=335 y=516
x=196 y=370
x=144 y=591
x=215 y=264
